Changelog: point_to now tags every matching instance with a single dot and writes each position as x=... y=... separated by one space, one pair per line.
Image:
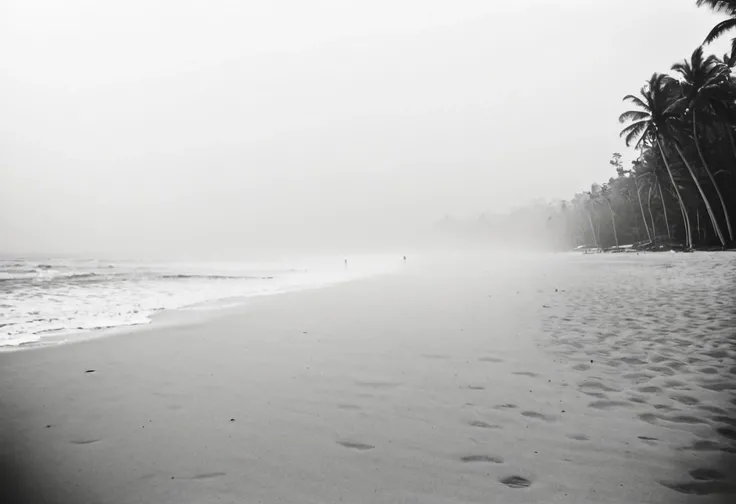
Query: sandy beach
x=558 y=378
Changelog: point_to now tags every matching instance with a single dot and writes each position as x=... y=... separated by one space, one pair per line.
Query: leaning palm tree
x=653 y=124
x=649 y=182
x=704 y=84
x=588 y=205
x=632 y=174
x=604 y=194
x=727 y=7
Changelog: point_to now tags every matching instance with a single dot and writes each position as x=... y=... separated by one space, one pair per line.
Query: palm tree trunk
x=613 y=220
x=651 y=215
x=685 y=218
x=712 y=178
x=664 y=211
x=686 y=223
x=712 y=215
x=641 y=207
x=592 y=229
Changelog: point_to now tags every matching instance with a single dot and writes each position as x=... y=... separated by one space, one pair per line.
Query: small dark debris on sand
x=90 y=371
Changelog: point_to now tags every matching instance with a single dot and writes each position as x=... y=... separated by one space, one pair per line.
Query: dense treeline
x=682 y=188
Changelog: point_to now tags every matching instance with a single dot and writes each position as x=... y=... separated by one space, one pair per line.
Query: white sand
x=436 y=385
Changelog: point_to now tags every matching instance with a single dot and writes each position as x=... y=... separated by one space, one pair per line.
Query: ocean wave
x=44 y=275
x=216 y=277
x=46 y=298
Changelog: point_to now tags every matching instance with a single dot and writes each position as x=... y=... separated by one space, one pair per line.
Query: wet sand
x=597 y=379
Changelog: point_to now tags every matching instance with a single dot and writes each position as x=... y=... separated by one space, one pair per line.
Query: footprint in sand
x=685 y=399
x=538 y=416
x=525 y=373
x=596 y=385
x=474 y=387
x=676 y=384
x=725 y=419
x=662 y=370
x=578 y=437
x=676 y=365
x=652 y=441
x=490 y=359
x=663 y=407
x=685 y=419
x=717 y=354
x=727 y=432
x=482 y=458
x=581 y=367
x=638 y=400
x=638 y=377
x=719 y=386
x=649 y=389
x=506 y=406
x=706 y=474
x=483 y=425
x=85 y=441
x=632 y=360
x=703 y=445
x=608 y=404
x=700 y=487
x=599 y=395
x=204 y=476
x=708 y=370
x=648 y=417
x=515 y=482
x=356 y=446
x=712 y=409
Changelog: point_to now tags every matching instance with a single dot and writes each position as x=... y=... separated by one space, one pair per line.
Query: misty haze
x=330 y=251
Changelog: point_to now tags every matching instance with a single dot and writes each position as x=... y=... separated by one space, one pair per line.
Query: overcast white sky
x=210 y=124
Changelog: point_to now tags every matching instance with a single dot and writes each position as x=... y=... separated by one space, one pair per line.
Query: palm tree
x=588 y=210
x=727 y=7
x=704 y=85
x=604 y=194
x=632 y=174
x=653 y=122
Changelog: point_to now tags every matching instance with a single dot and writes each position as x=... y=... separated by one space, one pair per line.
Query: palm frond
x=682 y=67
x=636 y=101
x=635 y=131
x=720 y=29
x=632 y=115
x=725 y=6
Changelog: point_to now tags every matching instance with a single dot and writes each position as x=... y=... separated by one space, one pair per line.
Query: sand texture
x=547 y=379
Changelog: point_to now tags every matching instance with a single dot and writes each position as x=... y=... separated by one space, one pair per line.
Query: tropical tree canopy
x=681 y=190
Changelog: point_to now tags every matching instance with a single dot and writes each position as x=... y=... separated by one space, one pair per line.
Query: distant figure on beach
x=346 y=263
x=404 y=259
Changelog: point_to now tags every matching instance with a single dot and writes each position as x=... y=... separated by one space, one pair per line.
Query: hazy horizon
x=227 y=127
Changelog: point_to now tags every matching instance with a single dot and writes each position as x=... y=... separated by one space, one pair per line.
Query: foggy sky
x=224 y=126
